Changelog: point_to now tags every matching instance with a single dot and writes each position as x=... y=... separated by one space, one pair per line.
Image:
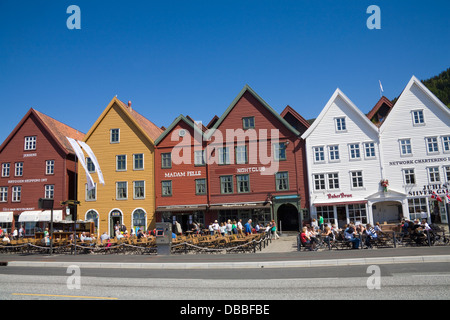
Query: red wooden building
x=36 y=162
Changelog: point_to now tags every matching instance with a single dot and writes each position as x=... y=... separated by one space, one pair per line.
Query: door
x=341 y=216
x=289 y=217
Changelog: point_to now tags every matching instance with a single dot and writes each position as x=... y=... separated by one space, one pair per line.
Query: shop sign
x=340 y=195
x=182 y=174
x=428 y=190
x=417 y=161
x=251 y=169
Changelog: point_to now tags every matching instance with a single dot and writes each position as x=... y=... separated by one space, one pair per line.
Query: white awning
x=29 y=216
x=46 y=215
x=6 y=217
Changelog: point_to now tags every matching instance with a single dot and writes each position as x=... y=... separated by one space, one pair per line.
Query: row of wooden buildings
x=251 y=162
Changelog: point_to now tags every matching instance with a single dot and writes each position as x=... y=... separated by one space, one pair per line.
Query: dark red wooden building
x=36 y=162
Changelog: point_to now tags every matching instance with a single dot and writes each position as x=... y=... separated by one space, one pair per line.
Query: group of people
x=15 y=234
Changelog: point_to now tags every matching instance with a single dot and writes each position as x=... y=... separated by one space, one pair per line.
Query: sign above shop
x=182 y=174
x=403 y=162
x=341 y=195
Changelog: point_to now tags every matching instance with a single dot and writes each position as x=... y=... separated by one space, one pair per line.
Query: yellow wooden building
x=123 y=143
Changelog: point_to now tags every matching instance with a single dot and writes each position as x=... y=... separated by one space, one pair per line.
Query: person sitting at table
x=377 y=227
x=306 y=240
x=370 y=234
x=6 y=239
x=328 y=236
x=84 y=237
x=349 y=235
x=140 y=235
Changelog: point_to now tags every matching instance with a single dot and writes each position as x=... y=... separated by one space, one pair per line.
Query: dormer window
x=340 y=124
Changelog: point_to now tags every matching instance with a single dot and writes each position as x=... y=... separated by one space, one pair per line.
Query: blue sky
x=194 y=57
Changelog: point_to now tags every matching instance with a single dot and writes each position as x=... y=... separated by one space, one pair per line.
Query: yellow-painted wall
x=132 y=141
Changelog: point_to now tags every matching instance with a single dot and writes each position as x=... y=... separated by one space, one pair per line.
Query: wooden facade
x=123 y=142
x=37 y=162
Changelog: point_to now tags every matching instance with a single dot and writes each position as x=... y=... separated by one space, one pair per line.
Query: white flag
x=79 y=153
x=94 y=160
x=381 y=87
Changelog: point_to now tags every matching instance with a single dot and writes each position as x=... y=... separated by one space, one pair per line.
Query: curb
x=238 y=265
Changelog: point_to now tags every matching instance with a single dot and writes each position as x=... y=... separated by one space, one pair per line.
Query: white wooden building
x=343 y=162
x=415 y=149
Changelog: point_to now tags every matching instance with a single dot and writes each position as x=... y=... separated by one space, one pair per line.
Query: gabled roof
x=377 y=109
x=187 y=120
x=260 y=100
x=336 y=94
x=148 y=128
x=58 y=130
x=425 y=90
x=296 y=115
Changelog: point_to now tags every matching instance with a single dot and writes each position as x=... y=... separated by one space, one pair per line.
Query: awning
x=181 y=208
x=46 y=215
x=331 y=204
x=6 y=217
x=241 y=205
x=29 y=216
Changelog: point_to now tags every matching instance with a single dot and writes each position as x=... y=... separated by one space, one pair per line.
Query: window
x=241 y=155
x=418 y=118
x=334 y=153
x=319 y=154
x=5 y=169
x=92 y=215
x=139 y=189
x=447 y=173
x=340 y=124
x=91 y=195
x=166 y=188
x=405 y=147
x=199 y=158
x=49 y=191
x=3 y=194
x=432 y=145
x=138 y=161
x=433 y=174
x=19 y=169
x=90 y=165
x=224 y=155
x=319 y=181
x=410 y=177
x=327 y=213
x=30 y=143
x=226 y=184
x=333 y=180
x=446 y=144
x=50 y=167
x=115 y=135
x=355 y=153
x=369 y=149
x=282 y=181
x=200 y=186
x=357 y=179
x=248 y=123
x=121 y=190
x=416 y=206
x=16 y=193
x=121 y=162
x=357 y=212
x=243 y=183
x=166 y=160
x=139 y=218
x=280 y=151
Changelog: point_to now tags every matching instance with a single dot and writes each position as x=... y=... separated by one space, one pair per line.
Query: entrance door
x=341 y=216
x=288 y=215
x=115 y=218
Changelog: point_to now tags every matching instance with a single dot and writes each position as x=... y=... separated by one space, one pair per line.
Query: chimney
x=129 y=105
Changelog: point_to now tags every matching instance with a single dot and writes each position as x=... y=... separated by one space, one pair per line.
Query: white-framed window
x=121 y=162
x=446 y=144
x=279 y=151
x=410 y=176
x=333 y=180
x=432 y=145
x=114 y=135
x=357 y=179
x=369 y=150
x=121 y=190
x=16 y=193
x=416 y=206
x=341 y=126
x=447 y=173
x=319 y=181
x=418 y=117
x=6 y=167
x=405 y=147
x=355 y=152
x=327 y=212
x=333 y=152
x=3 y=194
x=49 y=191
x=433 y=174
x=357 y=212
x=241 y=154
x=90 y=165
x=139 y=189
x=138 y=161
x=319 y=154
x=18 y=169
x=49 y=167
x=224 y=155
x=30 y=143
x=91 y=195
